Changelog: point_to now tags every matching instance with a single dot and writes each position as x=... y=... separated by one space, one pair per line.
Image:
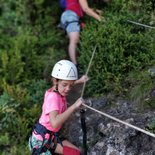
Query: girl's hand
x=83 y=79
x=99 y=12
x=103 y=20
x=78 y=103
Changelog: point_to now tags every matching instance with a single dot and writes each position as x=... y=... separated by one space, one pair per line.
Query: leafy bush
x=30 y=44
x=151 y=125
x=19 y=110
x=142 y=84
x=28 y=49
x=122 y=48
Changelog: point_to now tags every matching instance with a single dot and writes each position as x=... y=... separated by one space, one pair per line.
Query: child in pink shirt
x=45 y=139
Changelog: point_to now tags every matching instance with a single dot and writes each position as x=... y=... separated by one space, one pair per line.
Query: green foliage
x=36 y=91
x=121 y=48
x=27 y=54
x=30 y=45
x=15 y=149
x=141 y=86
x=11 y=67
x=28 y=49
x=8 y=114
x=19 y=110
x=151 y=125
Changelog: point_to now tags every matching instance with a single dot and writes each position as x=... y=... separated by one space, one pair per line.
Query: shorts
x=35 y=143
x=70 y=21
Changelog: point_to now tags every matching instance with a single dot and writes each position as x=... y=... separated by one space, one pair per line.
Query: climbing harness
x=140 y=24
x=75 y=21
x=64 y=26
x=82 y=24
x=50 y=145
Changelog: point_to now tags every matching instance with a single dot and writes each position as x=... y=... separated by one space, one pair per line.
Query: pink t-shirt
x=52 y=101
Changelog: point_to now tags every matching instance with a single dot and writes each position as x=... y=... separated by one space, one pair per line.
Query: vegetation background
x=31 y=42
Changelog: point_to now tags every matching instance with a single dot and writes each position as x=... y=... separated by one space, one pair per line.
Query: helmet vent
x=71 y=73
x=65 y=70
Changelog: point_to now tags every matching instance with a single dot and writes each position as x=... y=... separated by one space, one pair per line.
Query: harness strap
x=74 y=21
x=41 y=130
x=82 y=24
x=62 y=26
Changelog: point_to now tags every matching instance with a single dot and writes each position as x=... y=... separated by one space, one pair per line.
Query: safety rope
x=111 y=117
x=82 y=111
x=84 y=84
x=144 y=25
x=118 y=120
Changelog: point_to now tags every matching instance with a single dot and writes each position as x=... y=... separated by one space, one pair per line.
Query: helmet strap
x=55 y=82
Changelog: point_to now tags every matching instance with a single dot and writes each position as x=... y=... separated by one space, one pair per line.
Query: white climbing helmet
x=64 y=70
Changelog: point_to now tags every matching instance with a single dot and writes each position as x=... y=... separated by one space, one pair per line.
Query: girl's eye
x=64 y=85
x=71 y=86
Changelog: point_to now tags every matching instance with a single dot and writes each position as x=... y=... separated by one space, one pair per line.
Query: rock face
x=109 y=137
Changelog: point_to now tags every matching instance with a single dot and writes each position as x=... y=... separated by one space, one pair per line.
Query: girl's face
x=64 y=86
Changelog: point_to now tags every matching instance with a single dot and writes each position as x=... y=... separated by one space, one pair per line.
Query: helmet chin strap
x=56 y=86
x=55 y=89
